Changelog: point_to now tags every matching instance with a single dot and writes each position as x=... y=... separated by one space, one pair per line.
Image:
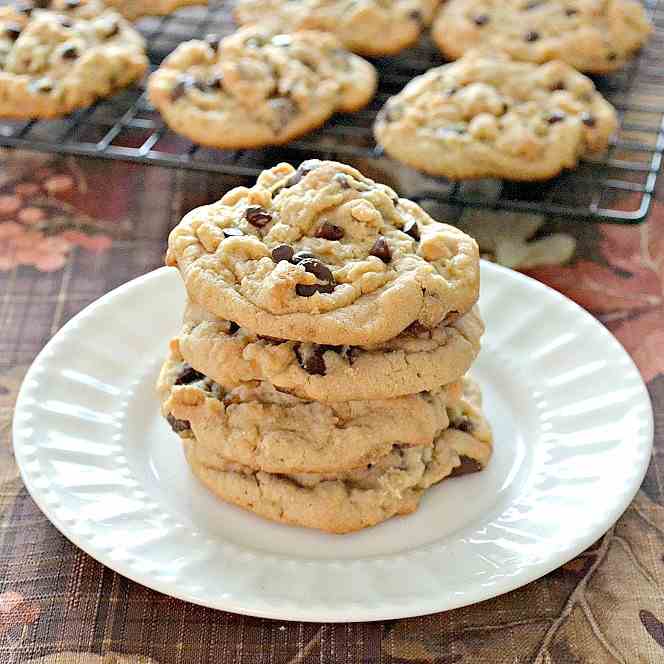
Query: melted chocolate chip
x=233 y=327
x=462 y=424
x=13 y=31
x=188 y=375
x=532 y=36
x=351 y=353
x=307 y=290
x=318 y=269
x=467 y=467
x=179 y=426
x=273 y=341
x=284 y=110
x=555 y=117
x=381 y=250
x=70 y=53
x=43 y=85
x=302 y=255
x=558 y=85
x=611 y=57
x=282 y=252
x=257 y=216
x=588 y=119
x=215 y=82
x=313 y=363
x=411 y=228
x=416 y=329
x=232 y=232
x=213 y=40
x=481 y=19
x=113 y=30
x=330 y=232
x=303 y=169
x=571 y=11
x=180 y=89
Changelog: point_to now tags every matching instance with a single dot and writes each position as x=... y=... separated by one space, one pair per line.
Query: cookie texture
x=367 y=27
x=486 y=115
x=130 y=9
x=51 y=63
x=261 y=427
x=326 y=255
x=258 y=88
x=595 y=36
x=416 y=360
x=349 y=501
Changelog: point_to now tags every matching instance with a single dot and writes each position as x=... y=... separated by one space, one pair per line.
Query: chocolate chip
x=416 y=329
x=467 y=467
x=558 y=85
x=330 y=232
x=555 y=117
x=307 y=290
x=257 y=216
x=411 y=228
x=284 y=110
x=462 y=424
x=571 y=12
x=66 y=23
x=302 y=255
x=313 y=363
x=113 y=30
x=180 y=89
x=213 y=40
x=282 y=252
x=612 y=56
x=233 y=327
x=24 y=8
x=481 y=19
x=188 y=375
x=232 y=232
x=179 y=426
x=381 y=250
x=318 y=269
x=70 y=53
x=588 y=119
x=13 y=31
x=342 y=179
x=303 y=169
x=451 y=91
x=273 y=341
x=215 y=82
x=350 y=353
x=532 y=36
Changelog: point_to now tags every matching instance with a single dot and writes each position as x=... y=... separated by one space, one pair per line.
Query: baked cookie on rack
x=323 y=254
x=418 y=359
x=351 y=500
x=257 y=425
x=367 y=27
x=488 y=116
x=595 y=36
x=51 y=64
x=130 y=9
x=255 y=88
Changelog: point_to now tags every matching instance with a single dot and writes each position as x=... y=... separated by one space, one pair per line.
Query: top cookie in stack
x=318 y=378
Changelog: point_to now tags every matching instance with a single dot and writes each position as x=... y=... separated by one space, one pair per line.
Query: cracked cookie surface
x=350 y=501
x=488 y=116
x=51 y=63
x=256 y=88
x=258 y=426
x=595 y=36
x=368 y=27
x=416 y=360
x=326 y=255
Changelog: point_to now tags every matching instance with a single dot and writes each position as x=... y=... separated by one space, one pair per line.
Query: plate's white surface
x=573 y=435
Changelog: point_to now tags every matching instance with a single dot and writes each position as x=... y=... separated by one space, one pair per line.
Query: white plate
x=573 y=434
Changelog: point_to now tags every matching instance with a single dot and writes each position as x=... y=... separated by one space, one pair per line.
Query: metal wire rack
x=617 y=187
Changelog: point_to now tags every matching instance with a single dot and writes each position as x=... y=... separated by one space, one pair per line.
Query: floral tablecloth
x=71 y=230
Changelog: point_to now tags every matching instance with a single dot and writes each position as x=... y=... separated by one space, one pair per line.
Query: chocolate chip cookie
x=596 y=36
x=51 y=64
x=266 y=429
x=325 y=255
x=418 y=359
x=488 y=116
x=255 y=88
x=367 y=27
x=352 y=500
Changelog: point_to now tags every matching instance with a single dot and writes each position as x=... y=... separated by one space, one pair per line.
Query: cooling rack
x=617 y=187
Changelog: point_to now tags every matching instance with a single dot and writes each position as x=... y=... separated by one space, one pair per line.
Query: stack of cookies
x=319 y=377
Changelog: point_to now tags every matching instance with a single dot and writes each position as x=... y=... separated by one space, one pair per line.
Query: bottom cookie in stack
x=338 y=467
